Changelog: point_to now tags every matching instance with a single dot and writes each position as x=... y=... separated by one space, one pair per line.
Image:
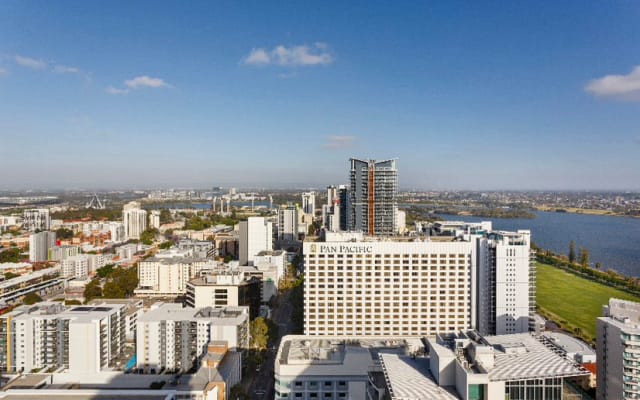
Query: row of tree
x=112 y=283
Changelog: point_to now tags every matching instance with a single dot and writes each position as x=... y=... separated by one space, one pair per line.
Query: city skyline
x=466 y=96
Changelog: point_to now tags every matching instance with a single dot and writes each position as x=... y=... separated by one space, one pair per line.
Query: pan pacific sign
x=341 y=249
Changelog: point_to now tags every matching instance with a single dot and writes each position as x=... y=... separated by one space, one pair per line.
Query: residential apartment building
x=37 y=219
x=80 y=339
x=506 y=283
x=75 y=267
x=618 y=351
x=154 y=219
x=59 y=253
x=41 y=282
x=288 y=222
x=175 y=338
x=309 y=203
x=373 y=202
x=225 y=286
x=134 y=219
x=39 y=245
x=256 y=235
x=163 y=275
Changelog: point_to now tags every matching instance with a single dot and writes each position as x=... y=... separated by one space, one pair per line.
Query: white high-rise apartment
x=76 y=266
x=134 y=219
x=117 y=231
x=309 y=203
x=617 y=344
x=154 y=219
x=506 y=283
x=37 y=219
x=288 y=222
x=393 y=287
x=39 y=245
x=373 y=196
x=174 y=337
x=256 y=235
x=82 y=339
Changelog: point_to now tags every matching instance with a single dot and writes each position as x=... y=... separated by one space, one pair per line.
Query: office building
x=167 y=273
x=175 y=338
x=335 y=214
x=373 y=196
x=37 y=219
x=506 y=283
x=256 y=235
x=309 y=203
x=48 y=335
x=134 y=219
x=617 y=357
x=198 y=248
x=225 y=286
x=288 y=222
x=39 y=245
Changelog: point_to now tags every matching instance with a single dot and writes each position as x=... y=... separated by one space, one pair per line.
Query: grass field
x=573 y=301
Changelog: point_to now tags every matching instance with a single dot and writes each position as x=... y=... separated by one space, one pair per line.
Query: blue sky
x=498 y=95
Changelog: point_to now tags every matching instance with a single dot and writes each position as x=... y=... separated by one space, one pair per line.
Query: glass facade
x=534 y=389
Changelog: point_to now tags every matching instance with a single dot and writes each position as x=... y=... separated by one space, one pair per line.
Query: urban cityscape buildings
x=134 y=219
x=256 y=235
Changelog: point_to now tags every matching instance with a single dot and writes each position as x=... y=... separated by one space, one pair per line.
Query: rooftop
x=176 y=312
x=536 y=360
x=410 y=378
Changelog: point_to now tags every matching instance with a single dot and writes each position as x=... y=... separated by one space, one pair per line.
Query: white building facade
x=134 y=219
x=256 y=235
x=39 y=245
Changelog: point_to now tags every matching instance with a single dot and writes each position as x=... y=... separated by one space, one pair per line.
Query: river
x=612 y=241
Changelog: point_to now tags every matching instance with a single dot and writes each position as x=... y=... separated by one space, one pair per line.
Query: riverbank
x=573 y=302
x=585 y=211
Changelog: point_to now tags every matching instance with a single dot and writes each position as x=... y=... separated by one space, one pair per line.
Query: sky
x=466 y=95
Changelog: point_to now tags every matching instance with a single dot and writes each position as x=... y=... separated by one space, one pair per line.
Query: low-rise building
x=42 y=282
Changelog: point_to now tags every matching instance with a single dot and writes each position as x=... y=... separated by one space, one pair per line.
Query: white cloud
x=30 y=62
x=317 y=54
x=137 y=83
x=63 y=69
x=145 y=81
x=618 y=86
x=113 y=90
x=3 y=71
x=338 y=142
x=258 y=57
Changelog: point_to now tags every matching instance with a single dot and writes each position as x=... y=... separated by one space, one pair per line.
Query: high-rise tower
x=373 y=196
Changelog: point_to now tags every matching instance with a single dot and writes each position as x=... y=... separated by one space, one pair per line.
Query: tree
x=259 y=331
x=165 y=216
x=10 y=275
x=10 y=255
x=148 y=236
x=165 y=245
x=572 y=252
x=92 y=290
x=121 y=283
x=105 y=271
x=31 y=298
x=64 y=233
x=598 y=265
x=583 y=257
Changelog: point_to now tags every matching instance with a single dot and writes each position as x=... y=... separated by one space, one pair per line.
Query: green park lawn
x=572 y=301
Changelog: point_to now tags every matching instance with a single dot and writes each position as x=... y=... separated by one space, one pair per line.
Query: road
x=264 y=379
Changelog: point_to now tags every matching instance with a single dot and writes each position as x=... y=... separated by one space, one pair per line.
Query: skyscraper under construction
x=373 y=196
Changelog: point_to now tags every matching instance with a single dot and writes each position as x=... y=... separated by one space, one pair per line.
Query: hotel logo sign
x=342 y=249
